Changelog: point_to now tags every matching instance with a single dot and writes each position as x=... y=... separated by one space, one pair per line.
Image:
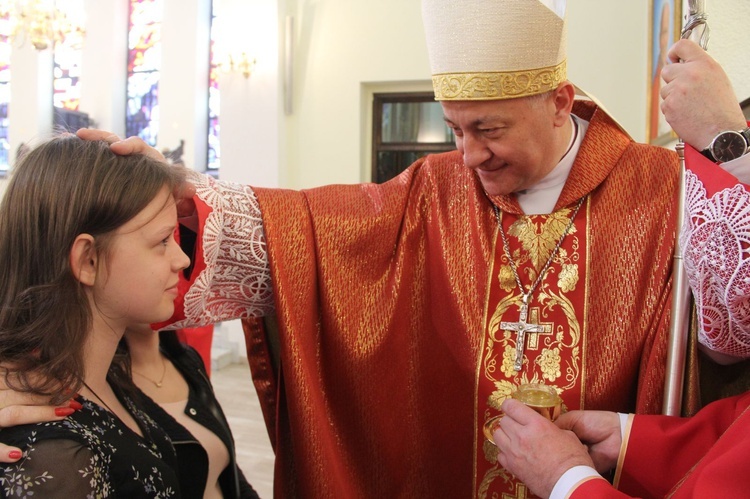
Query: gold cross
x=535 y=338
x=521 y=492
x=521 y=327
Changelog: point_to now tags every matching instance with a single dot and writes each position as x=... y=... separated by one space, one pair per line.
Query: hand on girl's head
x=123 y=147
x=135 y=145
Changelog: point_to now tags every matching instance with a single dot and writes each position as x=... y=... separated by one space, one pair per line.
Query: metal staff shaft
x=679 y=325
x=696 y=29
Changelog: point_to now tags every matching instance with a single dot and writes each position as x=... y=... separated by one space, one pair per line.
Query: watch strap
x=746 y=133
x=707 y=153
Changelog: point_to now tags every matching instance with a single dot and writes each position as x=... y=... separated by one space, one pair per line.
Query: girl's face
x=138 y=281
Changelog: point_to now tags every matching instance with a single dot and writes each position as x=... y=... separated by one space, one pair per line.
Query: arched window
x=68 y=56
x=5 y=31
x=144 y=64
x=214 y=150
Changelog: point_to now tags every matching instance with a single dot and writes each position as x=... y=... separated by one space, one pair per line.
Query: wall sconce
x=39 y=21
x=241 y=63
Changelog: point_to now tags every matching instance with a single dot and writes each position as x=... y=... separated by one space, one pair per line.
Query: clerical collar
x=542 y=197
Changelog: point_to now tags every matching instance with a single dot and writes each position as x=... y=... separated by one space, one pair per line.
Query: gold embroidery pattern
x=549 y=362
x=509 y=356
x=568 y=276
x=503 y=389
x=496 y=472
x=549 y=365
x=538 y=244
x=506 y=278
x=498 y=85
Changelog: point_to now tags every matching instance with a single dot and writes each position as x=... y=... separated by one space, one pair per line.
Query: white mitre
x=495 y=49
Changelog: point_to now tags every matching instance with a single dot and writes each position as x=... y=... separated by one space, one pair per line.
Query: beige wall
x=345 y=48
x=730 y=39
x=352 y=47
x=349 y=47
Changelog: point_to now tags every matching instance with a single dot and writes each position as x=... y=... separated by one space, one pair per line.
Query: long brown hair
x=61 y=189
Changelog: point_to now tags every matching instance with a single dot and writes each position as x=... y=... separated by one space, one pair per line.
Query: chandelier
x=238 y=62
x=39 y=22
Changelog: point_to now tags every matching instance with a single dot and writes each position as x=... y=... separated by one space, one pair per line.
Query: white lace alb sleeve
x=236 y=281
x=716 y=246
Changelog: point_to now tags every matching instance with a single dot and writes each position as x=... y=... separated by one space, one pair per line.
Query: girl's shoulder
x=89 y=453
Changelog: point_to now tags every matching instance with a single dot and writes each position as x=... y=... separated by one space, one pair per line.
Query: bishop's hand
x=534 y=449
x=599 y=431
x=135 y=145
x=699 y=101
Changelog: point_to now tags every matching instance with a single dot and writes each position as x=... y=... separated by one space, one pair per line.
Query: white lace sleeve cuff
x=715 y=241
x=236 y=280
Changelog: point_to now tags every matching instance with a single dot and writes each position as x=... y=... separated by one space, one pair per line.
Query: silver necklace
x=521 y=327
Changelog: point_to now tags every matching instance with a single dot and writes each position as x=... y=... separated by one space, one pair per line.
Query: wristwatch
x=728 y=145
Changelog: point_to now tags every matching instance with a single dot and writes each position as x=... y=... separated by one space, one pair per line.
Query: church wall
x=730 y=39
x=251 y=108
x=343 y=46
x=183 y=87
x=348 y=48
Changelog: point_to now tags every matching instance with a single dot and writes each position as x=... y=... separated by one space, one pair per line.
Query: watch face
x=728 y=146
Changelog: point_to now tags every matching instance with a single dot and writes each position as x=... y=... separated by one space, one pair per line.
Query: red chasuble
x=701 y=456
x=388 y=351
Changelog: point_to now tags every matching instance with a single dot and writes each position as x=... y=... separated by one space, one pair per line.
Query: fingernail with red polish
x=15 y=454
x=74 y=404
x=64 y=411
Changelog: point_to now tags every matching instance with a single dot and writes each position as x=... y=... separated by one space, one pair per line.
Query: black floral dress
x=92 y=454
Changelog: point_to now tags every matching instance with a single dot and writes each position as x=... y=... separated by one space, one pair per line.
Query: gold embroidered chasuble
x=554 y=354
x=388 y=297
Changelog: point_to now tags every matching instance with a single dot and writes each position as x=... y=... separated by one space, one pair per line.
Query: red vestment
x=701 y=456
x=385 y=297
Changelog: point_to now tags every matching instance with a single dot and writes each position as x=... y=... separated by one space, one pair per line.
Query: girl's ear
x=83 y=259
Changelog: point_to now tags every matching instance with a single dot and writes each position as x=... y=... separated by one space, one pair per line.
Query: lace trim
x=236 y=282
x=716 y=244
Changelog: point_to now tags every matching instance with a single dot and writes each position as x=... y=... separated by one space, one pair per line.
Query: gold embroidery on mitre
x=498 y=85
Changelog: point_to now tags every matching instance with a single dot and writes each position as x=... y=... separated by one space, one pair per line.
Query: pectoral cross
x=521 y=327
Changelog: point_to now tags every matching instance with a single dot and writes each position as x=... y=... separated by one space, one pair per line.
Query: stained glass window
x=144 y=63
x=68 y=56
x=5 y=30
x=214 y=150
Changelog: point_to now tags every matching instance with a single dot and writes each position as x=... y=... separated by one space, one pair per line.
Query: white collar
x=542 y=197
